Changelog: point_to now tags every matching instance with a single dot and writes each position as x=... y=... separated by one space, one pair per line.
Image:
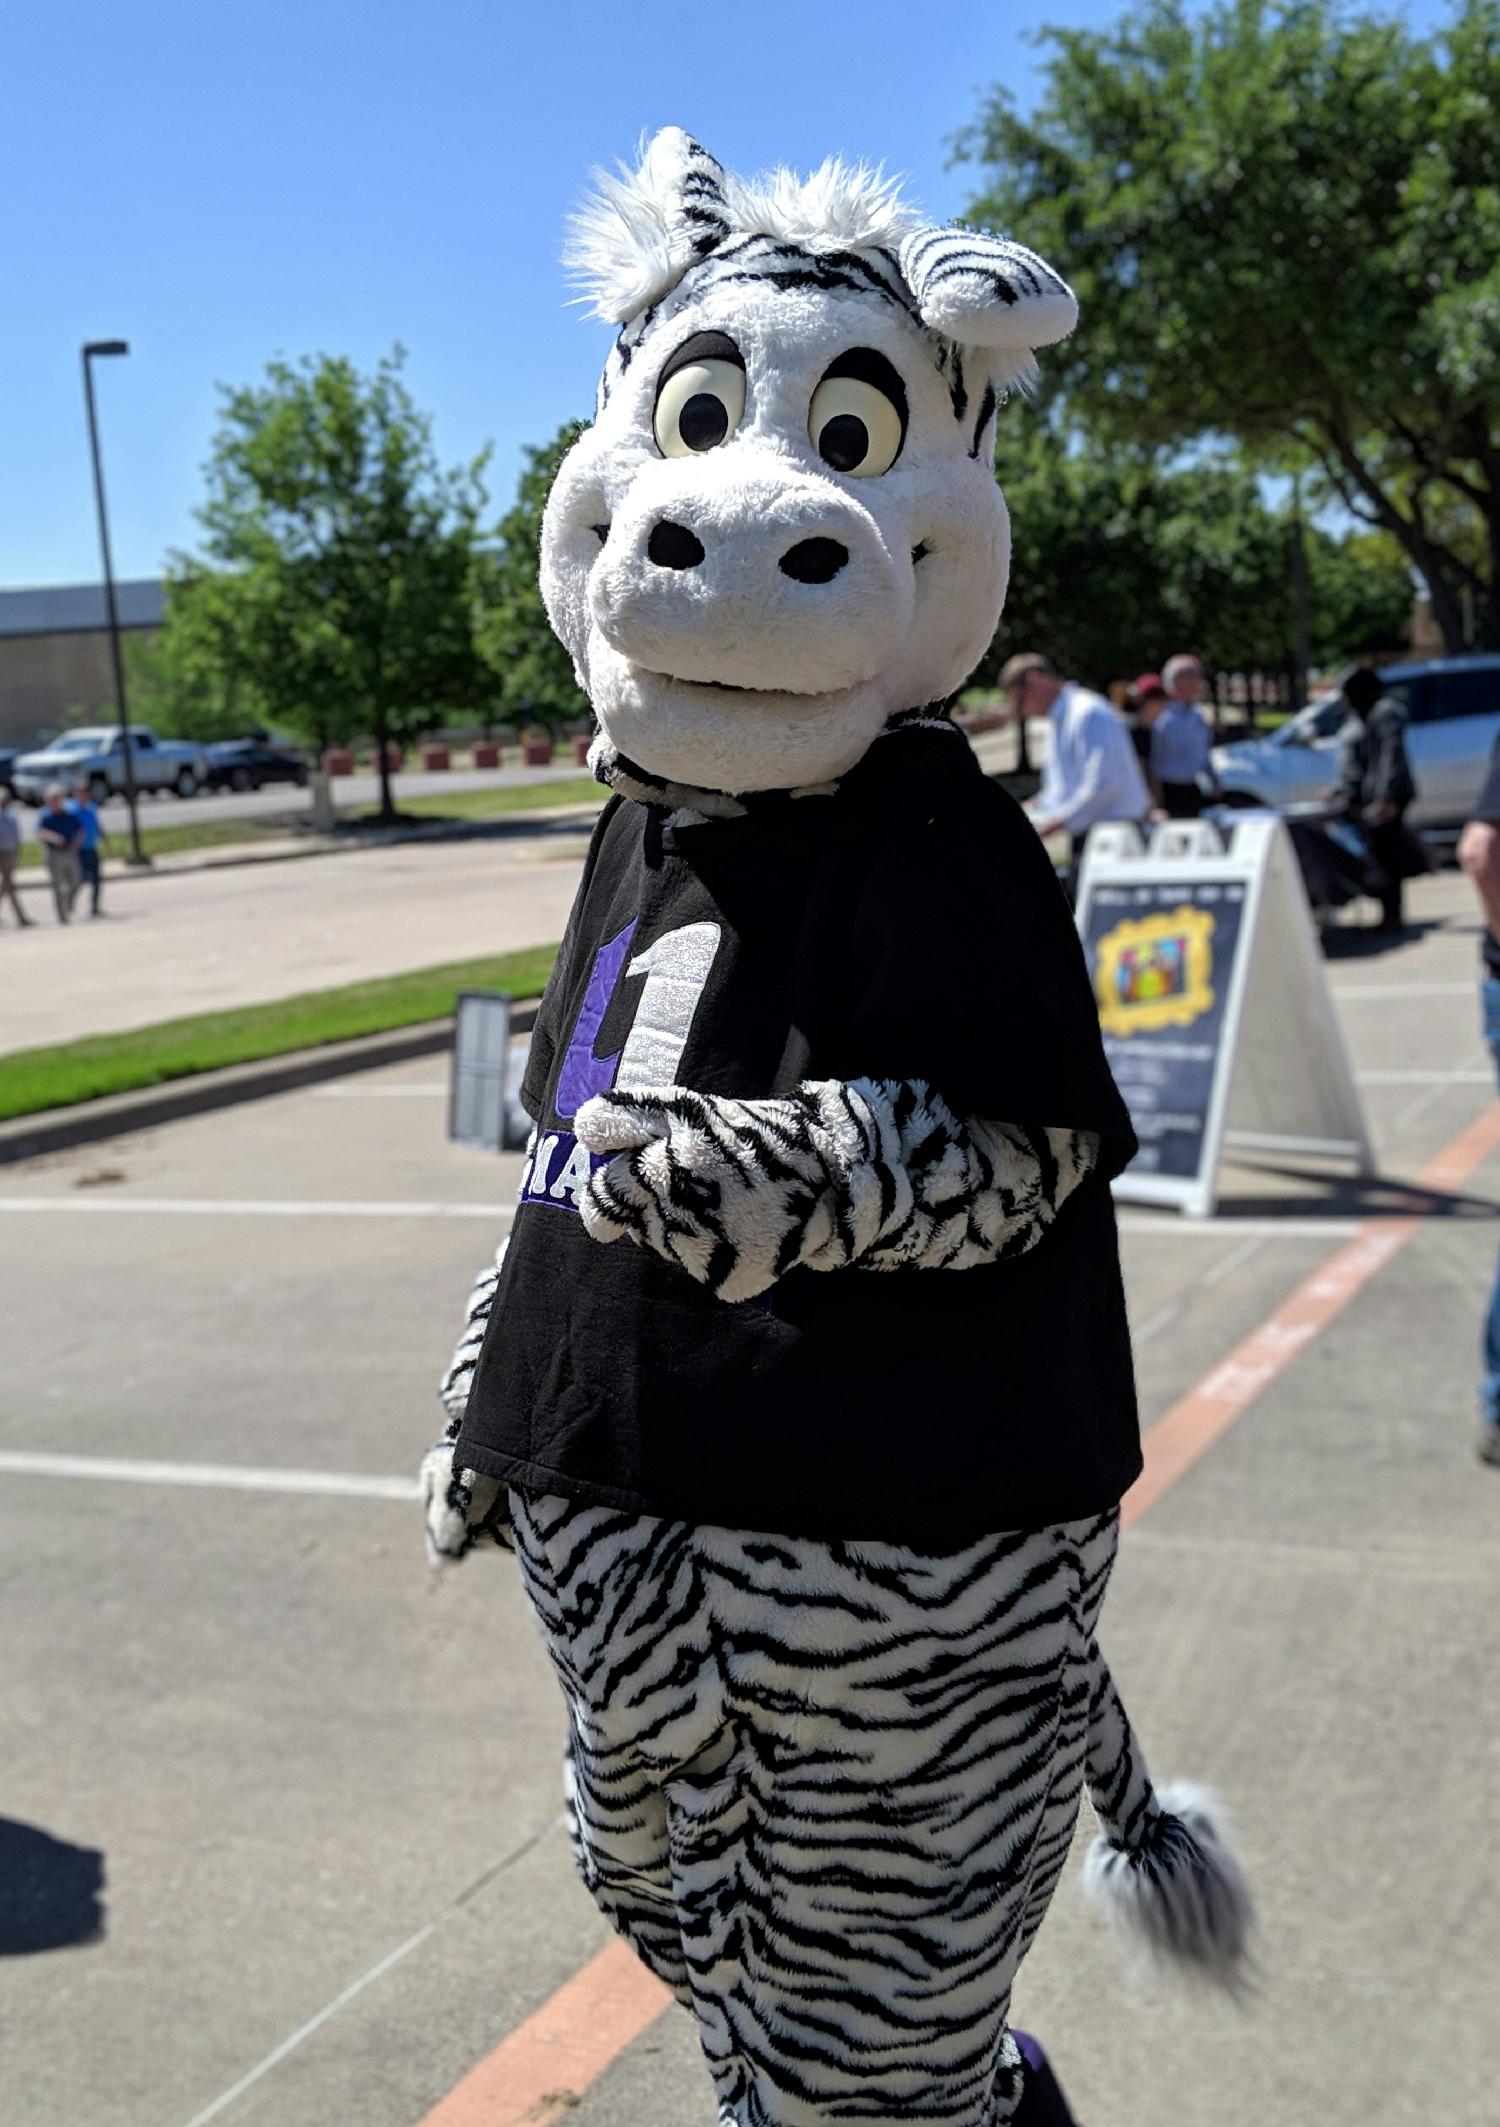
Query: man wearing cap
x=1091 y=774
x=1181 y=742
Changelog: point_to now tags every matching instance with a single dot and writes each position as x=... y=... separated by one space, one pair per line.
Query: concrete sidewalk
x=208 y=939
x=201 y=937
x=324 y=1786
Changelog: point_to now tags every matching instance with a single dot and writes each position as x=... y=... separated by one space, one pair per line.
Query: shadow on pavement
x=1369 y=1196
x=51 y=1892
x=1350 y=941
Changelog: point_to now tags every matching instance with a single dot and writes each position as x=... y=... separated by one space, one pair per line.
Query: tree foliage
x=532 y=672
x=334 y=593
x=1120 y=560
x=1283 y=224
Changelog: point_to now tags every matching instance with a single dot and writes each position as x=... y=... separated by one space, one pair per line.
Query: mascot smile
x=801 y=1386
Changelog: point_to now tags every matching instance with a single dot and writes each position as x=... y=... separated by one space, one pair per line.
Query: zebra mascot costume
x=802 y=1389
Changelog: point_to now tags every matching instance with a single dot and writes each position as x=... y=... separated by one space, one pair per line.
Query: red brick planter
x=536 y=753
x=436 y=757
x=581 y=751
x=338 y=760
x=484 y=754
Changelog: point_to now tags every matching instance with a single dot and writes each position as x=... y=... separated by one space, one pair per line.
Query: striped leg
x=868 y=1762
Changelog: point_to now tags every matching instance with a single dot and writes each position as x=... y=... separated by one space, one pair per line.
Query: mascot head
x=783 y=528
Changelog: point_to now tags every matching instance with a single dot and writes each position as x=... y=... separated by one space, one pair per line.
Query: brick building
x=54 y=653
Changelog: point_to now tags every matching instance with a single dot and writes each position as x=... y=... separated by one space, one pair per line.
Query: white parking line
x=1229 y=1228
x=1424 y=1078
x=1164 y=1316
x=1366 y=992
x=248 y=1207
x=377 y=1971
x=213 y=1476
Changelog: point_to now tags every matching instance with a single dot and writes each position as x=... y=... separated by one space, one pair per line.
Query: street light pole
x=1299 y=586
x=112 y=347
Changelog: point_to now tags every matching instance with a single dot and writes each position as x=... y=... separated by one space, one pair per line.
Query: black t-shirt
x=909 y=926
x=1488 y=810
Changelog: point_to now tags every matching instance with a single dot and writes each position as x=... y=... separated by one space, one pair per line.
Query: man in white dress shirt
x=1092 y=773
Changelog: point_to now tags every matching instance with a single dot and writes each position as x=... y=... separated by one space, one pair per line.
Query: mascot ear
x=986 y=292
x=642 y=229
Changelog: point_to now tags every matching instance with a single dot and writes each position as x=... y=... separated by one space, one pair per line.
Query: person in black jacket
x=1375 y=788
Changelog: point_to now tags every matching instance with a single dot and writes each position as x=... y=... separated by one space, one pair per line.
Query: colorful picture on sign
x=1155 y=971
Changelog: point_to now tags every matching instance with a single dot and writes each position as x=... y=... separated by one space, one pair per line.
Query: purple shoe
x=1042 y=2102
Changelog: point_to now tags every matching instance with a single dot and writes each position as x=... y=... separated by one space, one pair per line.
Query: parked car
x=7 y=764
x=1453 y=716
x=245 y=764
x=97 y=757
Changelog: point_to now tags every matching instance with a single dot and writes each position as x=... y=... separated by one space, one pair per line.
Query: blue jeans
x=1489 y=1388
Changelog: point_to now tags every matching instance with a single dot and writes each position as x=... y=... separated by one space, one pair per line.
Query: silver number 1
x=676 y=969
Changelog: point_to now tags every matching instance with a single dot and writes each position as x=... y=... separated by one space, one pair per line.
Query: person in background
x=1091 y=774
x=1149 y=697
x=90 y=844
x=1375 y=787
x=1479 y=854
x=61 y=832
x=1182 y=769
x=10 y=855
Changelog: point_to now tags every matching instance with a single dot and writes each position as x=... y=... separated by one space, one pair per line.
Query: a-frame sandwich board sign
x=1216 y=1012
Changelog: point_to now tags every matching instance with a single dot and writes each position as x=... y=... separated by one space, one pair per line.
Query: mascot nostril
x=814 y=560
x=809 y=1339
x=673 y=546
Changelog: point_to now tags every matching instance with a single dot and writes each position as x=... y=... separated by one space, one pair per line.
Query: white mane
x=629 y=243
x=840 y=206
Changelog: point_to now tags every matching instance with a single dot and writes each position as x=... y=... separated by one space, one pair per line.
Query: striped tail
x=1162 y=1867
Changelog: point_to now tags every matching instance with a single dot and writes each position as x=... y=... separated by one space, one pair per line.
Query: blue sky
x=220 y=185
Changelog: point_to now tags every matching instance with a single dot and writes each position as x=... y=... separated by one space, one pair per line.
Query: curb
x=27 y=1137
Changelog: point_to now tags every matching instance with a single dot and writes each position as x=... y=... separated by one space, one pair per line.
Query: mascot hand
x=460 y=1508
x=738 y=1192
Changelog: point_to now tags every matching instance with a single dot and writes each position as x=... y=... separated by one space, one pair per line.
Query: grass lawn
x=493 y=804
x=274 y=827
x=34 y=1079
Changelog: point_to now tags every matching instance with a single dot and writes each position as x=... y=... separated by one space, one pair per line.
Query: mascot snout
x=770 y=580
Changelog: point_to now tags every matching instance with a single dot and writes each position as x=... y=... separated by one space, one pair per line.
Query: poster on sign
x=1215 y=1011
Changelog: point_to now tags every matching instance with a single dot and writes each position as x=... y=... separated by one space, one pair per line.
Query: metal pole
x=112 y=347
x=1299 y=579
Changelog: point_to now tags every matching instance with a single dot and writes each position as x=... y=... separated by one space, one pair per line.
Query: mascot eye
x=858 y=416
x=700 y=400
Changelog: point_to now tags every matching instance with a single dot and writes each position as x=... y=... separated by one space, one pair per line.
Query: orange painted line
x=541 y=2071
x=1192 y=1425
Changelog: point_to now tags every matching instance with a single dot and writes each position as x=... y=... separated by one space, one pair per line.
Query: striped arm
x=460 y=1507
x=981 y=1192
x=878 y=1174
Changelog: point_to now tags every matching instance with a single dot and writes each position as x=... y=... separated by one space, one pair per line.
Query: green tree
x=532 y=672
x=1119 y=560
x=1283 y=223
x=335 y=592
x=185 y=681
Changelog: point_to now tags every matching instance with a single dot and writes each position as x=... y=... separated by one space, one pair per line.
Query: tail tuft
x=1177 y=1892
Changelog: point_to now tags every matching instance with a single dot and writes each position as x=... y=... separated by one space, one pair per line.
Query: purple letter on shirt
x=583 y=1073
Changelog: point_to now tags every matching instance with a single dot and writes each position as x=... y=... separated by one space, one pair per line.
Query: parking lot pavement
x=323 y=1783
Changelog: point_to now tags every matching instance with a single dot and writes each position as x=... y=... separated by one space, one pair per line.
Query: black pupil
x=844 y=442
x=703 y=422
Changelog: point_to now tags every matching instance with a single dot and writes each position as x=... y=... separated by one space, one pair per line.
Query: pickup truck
x=97 y=757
